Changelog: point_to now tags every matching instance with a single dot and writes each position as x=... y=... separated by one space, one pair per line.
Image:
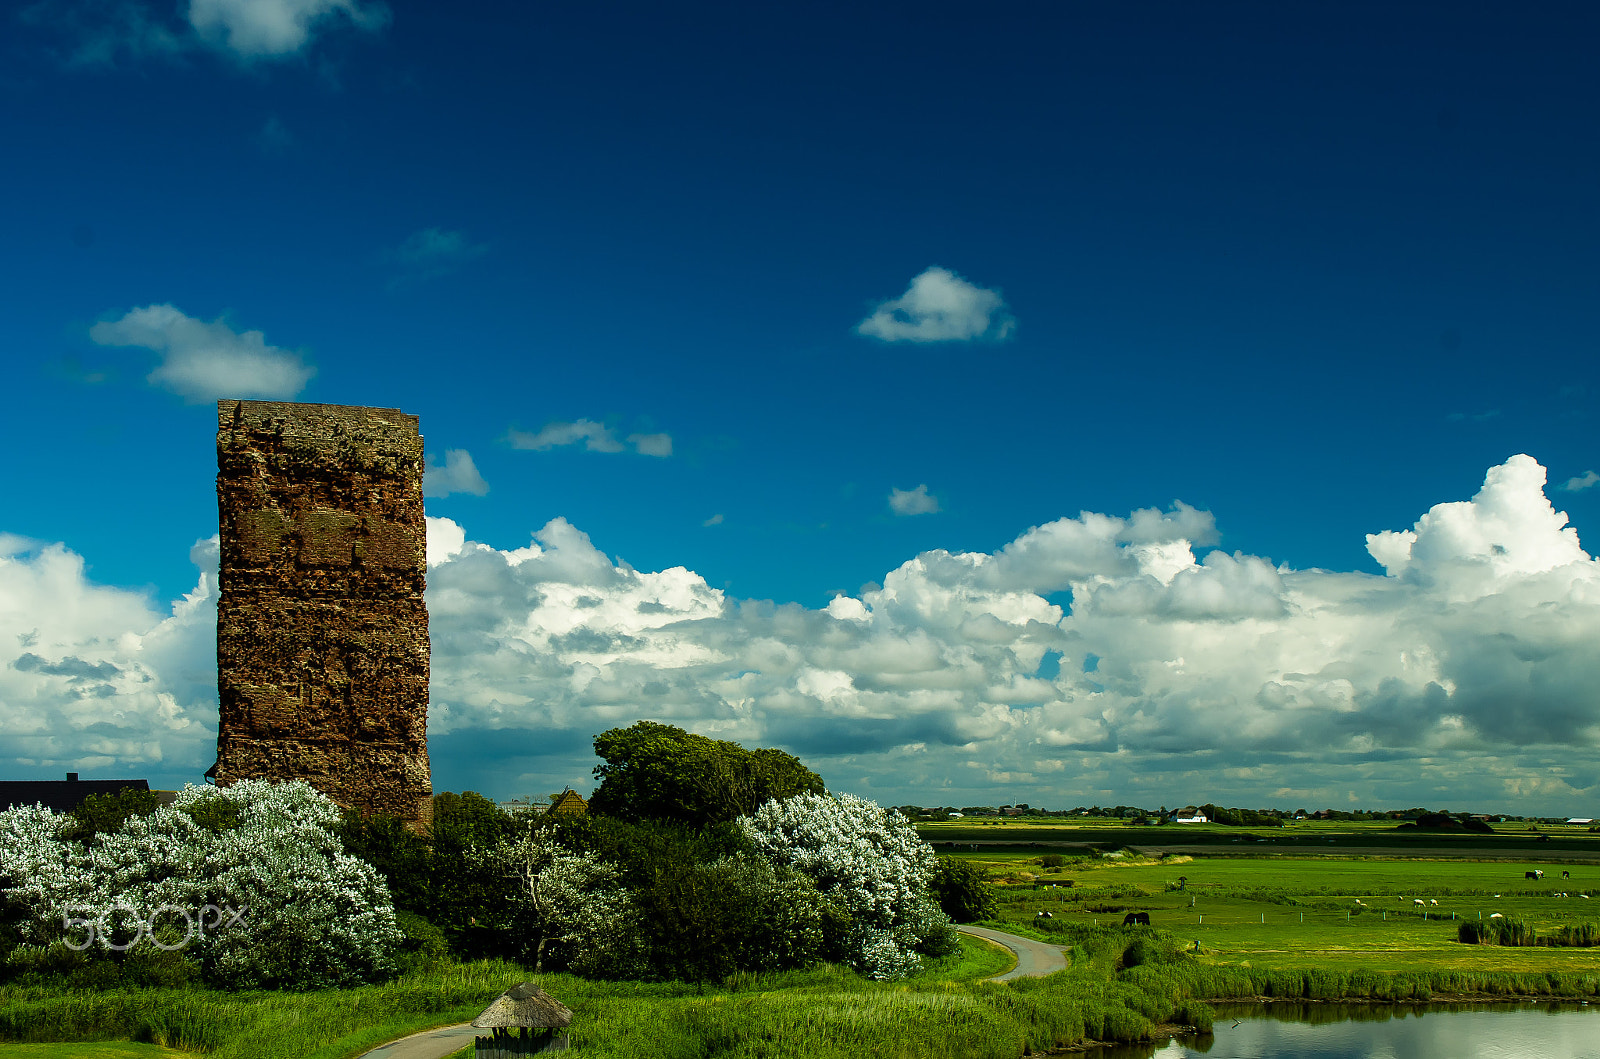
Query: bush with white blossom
x=870 y=862
x=250 y=880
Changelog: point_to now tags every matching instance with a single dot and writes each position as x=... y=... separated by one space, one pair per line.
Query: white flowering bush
x=869 y=862
x=568 y=905
x=250 y=880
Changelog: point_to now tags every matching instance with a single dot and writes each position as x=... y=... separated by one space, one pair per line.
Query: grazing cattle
x=1537 y=873
x=1566 y=875
x=1418 y=901
x=1136 y=918
x=1496 y=915
x=1431 y=901
x=1584 y=896
x=1045 y=915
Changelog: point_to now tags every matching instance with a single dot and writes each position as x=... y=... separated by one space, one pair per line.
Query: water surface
x=1387 y=1031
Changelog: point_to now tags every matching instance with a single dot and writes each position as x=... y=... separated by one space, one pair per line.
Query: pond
x=1549 y=1030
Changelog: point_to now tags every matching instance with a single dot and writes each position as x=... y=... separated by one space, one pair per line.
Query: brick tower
x=322 y=631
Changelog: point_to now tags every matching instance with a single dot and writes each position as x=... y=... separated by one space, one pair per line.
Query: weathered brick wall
x=322 y=631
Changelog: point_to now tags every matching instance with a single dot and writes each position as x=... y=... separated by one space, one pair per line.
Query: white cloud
x=1586 y=480
x=940 y=306
x=102 y=32
x=595 y=437
x=913 y=501
x=256 y=29
x=714 y=520
x=93 y=678
x=458 y=474
x=206 y=361
x=1469 y=669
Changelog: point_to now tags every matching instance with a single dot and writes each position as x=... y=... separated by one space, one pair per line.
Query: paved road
x=430 y=1044
x=1035 y=959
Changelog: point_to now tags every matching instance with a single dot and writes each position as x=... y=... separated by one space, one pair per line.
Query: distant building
x=61 y=796
x=1188 y=815
x=568 y=801
x=1581 y=820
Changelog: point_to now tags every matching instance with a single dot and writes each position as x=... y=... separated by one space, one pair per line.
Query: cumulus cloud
x=457 y=474
x=595 y=437
x=102 y=32
x=1094 y=653
x=203 y=361
x=913 y=501
x=94 y=678
x=940 y=306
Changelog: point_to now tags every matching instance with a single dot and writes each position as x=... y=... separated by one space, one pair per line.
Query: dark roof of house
x=61 y=796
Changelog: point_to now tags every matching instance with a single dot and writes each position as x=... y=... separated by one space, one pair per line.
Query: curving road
x=1035 y=959
x=429 y=1044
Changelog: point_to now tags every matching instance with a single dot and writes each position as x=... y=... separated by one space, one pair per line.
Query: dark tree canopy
x=963 y=891
x=659 y=772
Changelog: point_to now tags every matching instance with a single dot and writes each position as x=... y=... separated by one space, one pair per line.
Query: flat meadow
x=1327 y=896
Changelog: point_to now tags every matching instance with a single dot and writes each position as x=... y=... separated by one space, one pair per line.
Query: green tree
x=108 y=812
x=659 y=772
x=963 y=891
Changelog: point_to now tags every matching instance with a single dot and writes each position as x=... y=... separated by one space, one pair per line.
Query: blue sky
x=798 y=298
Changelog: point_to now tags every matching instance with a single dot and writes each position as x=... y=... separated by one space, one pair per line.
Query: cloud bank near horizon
x=1093 y=658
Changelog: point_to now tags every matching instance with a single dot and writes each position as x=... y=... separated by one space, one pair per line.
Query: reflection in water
x=1387 y=1031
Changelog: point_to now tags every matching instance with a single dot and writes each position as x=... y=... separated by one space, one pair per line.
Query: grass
x=103 y=1050
x=1295 y=913
x=820 y=1013
x=1253 y=926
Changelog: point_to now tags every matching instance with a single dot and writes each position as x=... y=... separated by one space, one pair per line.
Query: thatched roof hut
x=524 y=1006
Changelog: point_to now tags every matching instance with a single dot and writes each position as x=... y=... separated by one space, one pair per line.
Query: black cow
x=1566 y=875
x=1537 y=873
x=1136 y=918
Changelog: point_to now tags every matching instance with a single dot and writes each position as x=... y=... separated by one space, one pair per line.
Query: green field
x=1550 y=843
x=1282 y=912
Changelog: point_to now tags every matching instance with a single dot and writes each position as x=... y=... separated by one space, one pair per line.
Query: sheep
x=1432 y=901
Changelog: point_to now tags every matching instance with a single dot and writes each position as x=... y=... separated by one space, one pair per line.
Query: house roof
x=568 y=801
x=61 y=796
x=527 y=1005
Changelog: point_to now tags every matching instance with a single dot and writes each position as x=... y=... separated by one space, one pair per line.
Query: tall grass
x=1516 y=932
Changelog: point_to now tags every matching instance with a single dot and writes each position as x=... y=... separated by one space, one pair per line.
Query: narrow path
x=1035 y=959
x=429 y=1044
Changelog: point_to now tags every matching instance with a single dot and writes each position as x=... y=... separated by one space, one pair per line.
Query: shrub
x=863 y=858
x=309 y=915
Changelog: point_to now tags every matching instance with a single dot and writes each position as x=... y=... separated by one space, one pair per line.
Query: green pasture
x=1301 y=913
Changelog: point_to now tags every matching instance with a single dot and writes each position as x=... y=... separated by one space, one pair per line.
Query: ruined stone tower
x=322 y=632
